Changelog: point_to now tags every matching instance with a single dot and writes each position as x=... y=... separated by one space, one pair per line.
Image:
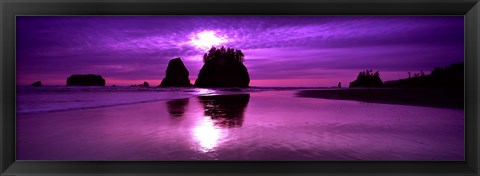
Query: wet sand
x=418 y=97
x=272 y=125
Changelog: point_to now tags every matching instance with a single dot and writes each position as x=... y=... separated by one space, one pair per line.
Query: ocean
x=138 y=123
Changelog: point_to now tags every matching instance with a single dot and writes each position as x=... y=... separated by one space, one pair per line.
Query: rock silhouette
x=85 y=80
x=367 y=79
x=37 y=84
x=223 y=68
x=176 y=75
x=145 y=84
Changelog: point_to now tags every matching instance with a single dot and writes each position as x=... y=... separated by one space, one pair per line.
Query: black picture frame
x=470 y=9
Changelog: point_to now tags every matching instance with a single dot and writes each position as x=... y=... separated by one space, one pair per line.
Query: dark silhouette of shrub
x=367 y=79
x=227 y=54
x=449 y=77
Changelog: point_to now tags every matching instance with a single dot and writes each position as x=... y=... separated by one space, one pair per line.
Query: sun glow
x=207 y=135
x=207 y=39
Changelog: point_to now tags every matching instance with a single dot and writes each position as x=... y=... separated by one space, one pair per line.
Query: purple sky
x=279 y=50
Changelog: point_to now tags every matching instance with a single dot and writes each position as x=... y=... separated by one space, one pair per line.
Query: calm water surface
x=271 y=125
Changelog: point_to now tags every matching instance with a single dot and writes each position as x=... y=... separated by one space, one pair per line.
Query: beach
x=242 y=125
x=441 y=98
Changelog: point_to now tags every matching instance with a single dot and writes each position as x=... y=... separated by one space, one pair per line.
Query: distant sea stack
x=37 y=84
x=176 y=75
x=223 y=68
x=85 y=80
x=145 y=84
x=367 y=79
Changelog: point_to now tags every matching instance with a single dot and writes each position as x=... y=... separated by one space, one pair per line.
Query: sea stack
x=37 y=84
x=85 y=80
x=223 y=68
x=176 y=75
x=145 y=84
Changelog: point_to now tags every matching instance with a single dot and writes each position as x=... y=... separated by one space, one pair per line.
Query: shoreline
x=55 y=99
x=438 y=98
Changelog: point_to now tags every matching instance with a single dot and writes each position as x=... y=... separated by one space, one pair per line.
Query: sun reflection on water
x=204 y=91
x=207 y=135
x=219 y=114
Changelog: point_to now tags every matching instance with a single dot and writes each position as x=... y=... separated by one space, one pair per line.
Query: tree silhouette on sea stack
x=223 y=68
x=227 y=54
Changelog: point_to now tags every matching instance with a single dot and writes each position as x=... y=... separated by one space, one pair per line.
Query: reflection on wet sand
x=177 y=107
x=276 y=125
x=225 y=110
x=207 y=135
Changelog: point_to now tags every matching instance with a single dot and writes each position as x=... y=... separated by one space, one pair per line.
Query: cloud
x=275 y=47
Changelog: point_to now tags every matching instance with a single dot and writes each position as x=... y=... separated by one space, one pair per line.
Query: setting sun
x=224 y=88
x=207 y=39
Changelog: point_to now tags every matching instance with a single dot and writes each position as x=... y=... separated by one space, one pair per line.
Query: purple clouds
x=322 y=50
